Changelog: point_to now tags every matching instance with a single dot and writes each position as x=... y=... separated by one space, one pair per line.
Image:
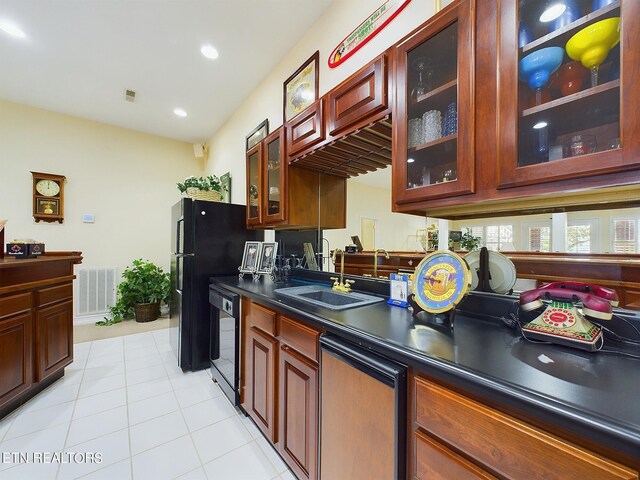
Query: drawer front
x=300 y=337
x=263 y=319
x=45 y=296
x=305 y=130
x=363 y=95
x=504 y=445
x=15 y=304
x=436 y=462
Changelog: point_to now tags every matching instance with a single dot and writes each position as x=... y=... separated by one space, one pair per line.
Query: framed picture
x=257 y=134
x=267 y=257
x=301 y=89
x=225 y=181
x=250 y=257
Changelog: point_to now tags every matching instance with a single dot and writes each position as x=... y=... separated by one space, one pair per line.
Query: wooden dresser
x=36 y=324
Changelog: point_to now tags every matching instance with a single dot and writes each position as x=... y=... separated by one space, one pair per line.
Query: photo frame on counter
x=257 y=134
x=267 y=257
x=225 y=181
x=250 y=258
x=301 y=89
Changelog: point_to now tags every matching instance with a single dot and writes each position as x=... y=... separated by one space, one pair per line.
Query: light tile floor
x=126 y=399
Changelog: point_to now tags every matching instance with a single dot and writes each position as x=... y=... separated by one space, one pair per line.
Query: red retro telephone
x=561 y=322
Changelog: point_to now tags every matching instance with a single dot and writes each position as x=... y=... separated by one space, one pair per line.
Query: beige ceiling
x=79 y=56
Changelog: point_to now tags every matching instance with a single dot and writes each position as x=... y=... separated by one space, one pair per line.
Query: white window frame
x=612 y=231
x=525 y=233
x=594 y=230
x=483 y=240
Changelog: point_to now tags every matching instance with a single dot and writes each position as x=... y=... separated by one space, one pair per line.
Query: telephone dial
x=561 y=321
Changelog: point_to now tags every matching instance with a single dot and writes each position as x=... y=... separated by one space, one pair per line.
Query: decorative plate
x=501 y=269
x=440 y=281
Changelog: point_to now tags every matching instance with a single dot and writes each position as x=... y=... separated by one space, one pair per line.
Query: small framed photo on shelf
x=267 y=257
x=250 y=258
x=257 y=134
x=301 y=89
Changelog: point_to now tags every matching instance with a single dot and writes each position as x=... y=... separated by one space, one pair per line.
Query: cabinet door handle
x=285 y=348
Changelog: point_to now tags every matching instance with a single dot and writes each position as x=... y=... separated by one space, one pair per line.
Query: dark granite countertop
x=593 y=395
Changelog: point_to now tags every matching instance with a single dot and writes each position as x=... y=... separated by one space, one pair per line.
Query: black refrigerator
x=207 y=240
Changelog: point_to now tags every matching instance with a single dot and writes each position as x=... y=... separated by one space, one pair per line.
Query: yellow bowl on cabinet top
x=591 y=45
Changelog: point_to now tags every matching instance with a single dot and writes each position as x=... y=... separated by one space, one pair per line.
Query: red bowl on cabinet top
x=570 y=78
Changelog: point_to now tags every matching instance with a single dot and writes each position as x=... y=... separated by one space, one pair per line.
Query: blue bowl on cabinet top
x=537 y=67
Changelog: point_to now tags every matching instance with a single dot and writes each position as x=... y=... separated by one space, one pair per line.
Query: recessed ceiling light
x=410 y=160
x=209 y=51
x=552 y=12
x=180 y=112
x=540 y=125
x=11 y=29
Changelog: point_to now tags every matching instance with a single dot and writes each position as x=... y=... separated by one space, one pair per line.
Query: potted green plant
x=202 y=188
x=468 y=242
x=143 y=287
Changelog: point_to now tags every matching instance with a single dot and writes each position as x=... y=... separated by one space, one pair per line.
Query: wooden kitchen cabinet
x=359 y=98
x=255 y=185
x=284 y=196
x=453 y=433
x=433 y=154
x=261 y=388
x=36 y=324
x=306 y=129
x=578 y=127
x=54 y=338
x=585 y=148
x=15 y=355
x=280 y=384
x=298 y=399
x=348 y=131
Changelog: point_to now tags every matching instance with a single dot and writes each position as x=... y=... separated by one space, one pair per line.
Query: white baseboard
x=88 y=319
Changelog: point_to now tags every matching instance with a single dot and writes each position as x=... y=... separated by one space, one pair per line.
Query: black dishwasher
x=225 y=337
x=363 y=413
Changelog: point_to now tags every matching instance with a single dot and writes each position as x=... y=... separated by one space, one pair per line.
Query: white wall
x=394 y=231
x=227 y=146
x=125 y=178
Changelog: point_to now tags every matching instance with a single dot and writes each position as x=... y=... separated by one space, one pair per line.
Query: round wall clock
x=440 y=281
x=48 y=197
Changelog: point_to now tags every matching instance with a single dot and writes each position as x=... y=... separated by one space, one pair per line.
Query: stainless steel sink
x=324 y=296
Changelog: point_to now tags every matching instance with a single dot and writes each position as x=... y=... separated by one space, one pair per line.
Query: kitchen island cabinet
x=36 y=324
x=558 y=398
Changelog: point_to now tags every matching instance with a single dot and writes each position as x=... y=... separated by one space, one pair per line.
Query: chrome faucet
x=375 y=260
x=339 y=284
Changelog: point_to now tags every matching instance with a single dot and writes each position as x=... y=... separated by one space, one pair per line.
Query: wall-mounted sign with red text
x=366 y=31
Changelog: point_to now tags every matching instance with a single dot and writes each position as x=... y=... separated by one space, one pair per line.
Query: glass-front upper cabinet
x=275 y=172
x=433 y=112
x=254 y=185
x=564 y=109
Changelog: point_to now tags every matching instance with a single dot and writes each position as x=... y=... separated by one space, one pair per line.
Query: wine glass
x=537 y=67
x=591 y=45
x=421 y=65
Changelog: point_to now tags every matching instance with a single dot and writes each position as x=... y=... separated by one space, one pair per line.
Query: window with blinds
x=625 y=235
x=494 y=237
x=539 y=239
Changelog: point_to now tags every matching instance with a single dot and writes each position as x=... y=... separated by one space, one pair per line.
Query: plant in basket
x=202 y=188
x=143 y=287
